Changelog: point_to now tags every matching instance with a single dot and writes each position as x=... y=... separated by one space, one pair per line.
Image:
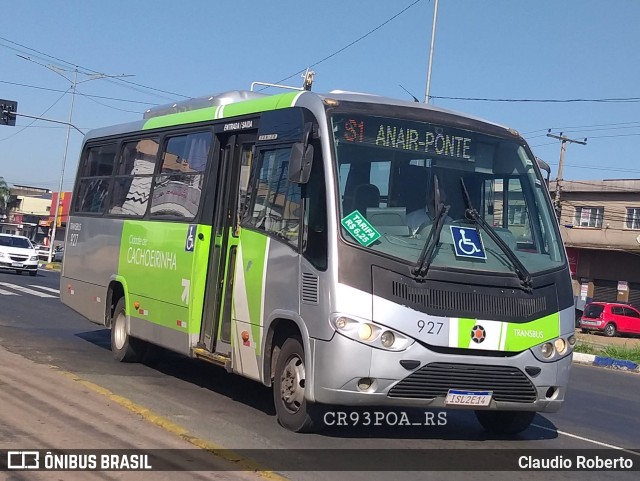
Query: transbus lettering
x=529 y=333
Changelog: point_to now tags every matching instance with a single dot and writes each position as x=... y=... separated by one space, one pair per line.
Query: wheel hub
x=119 y=332
x=292 y=384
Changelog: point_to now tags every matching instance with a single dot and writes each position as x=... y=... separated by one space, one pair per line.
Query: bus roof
x=242 y=102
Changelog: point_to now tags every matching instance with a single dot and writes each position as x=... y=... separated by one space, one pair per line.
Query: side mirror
x=300 y=163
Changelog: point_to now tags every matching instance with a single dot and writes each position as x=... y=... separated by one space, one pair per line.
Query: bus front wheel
x=123 y=346
x=292 y=409
x=505 y=422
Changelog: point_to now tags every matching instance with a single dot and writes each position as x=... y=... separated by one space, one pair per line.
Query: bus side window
x=177 y=188
x=134 y=175
x=95 y=179
x=275 y=202
x=314 y=243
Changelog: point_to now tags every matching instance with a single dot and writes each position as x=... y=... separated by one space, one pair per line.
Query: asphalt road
x=600 y=410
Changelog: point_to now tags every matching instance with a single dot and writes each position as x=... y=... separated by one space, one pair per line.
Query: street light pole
x=433 y=41
x=74 y=86
x=64 y=161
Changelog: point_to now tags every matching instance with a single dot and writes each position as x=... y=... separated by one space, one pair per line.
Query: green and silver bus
x=343 y=248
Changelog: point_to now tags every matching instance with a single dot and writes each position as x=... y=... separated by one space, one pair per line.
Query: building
x=63 y=214
x=26 y=208
x=30 y=212
x=600 y=226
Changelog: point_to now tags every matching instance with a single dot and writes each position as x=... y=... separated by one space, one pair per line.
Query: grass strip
x=616 y=352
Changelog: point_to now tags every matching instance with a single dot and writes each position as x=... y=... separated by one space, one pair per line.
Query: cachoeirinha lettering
x=440 y=143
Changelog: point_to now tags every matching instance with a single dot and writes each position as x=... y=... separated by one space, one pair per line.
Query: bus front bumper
x=342 y=368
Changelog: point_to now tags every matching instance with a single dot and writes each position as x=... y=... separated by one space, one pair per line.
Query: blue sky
x=497 y=49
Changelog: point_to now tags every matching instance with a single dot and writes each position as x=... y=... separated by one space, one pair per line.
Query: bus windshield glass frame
x=395 y=173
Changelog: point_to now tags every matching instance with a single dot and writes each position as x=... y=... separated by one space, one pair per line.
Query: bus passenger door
x=233 y=178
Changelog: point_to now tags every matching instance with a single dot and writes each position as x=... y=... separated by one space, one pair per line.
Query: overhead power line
x=485 y=99
x=568 y=129
x=351 y=44
x=48 y=57
x=78 y=93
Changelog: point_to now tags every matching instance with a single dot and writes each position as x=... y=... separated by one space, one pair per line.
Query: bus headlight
x=554 y=349
x=365 y=331
x=387 y=339
x=546 y=349
x=370 y=333
x=560 y=345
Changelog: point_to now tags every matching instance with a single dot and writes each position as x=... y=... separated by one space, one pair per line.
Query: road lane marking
x=50 y=289
x=8 y=293
x=588 y=440
x=215 y=449
x=25 y=290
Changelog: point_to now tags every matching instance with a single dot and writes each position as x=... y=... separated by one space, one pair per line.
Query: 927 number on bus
x=429 y=327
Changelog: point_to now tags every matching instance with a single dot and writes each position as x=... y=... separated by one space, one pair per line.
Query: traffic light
x=7 y=109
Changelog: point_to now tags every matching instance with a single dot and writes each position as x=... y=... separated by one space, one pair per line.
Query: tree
x=4 y=196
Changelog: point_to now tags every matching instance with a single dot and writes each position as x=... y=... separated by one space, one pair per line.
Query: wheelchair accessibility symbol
x=191 y=237
x=467 y=242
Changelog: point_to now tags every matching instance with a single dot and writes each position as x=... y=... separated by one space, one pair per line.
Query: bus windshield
x=396 y=175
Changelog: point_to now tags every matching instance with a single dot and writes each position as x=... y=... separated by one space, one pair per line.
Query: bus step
x=213 y=357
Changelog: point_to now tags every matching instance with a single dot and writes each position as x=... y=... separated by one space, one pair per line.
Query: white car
x=18 y=253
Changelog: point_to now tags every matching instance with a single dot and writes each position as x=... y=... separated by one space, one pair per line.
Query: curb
x=49 y=267
x=609 y=362
x=217 y=450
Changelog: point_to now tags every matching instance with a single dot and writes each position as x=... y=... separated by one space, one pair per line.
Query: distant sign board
x=7 y=112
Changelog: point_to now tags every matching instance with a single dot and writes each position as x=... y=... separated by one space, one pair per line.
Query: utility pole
x=563 y=147
x=433 y=41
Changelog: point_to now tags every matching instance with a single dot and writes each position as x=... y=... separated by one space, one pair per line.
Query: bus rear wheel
x=124 y=347
x=292 y=409
x=505 y=422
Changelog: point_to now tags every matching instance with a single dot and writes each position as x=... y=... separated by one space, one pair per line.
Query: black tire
x=610 y=330
x=584 y=331
x=124 y=347
x=292 y=409
x=505 y=422
x=33 y=273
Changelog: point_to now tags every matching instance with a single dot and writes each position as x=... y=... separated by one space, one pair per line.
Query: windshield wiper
x=424 y=261
x=519 y=268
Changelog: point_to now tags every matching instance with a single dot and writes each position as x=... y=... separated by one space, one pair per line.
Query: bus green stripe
x=259 y=105
x=231 y=110
x=191 y=116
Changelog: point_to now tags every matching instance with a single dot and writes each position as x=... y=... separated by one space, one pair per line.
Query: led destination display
x=407 y=136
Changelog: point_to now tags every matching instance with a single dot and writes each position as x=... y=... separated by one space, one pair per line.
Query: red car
x=611 y=318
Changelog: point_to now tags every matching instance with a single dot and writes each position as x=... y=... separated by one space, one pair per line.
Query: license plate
x=468 y=398
x=589 y=323
x=17 y=264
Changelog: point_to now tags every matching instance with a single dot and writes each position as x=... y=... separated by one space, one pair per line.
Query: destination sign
x=406 y=135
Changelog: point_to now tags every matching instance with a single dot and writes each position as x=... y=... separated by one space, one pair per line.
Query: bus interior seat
x=365 y=196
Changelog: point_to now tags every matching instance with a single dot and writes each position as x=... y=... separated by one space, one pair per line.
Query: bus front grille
x=498 y=304
x=508 y=384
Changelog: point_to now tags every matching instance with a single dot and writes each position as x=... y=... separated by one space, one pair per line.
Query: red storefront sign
x=573 y=255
